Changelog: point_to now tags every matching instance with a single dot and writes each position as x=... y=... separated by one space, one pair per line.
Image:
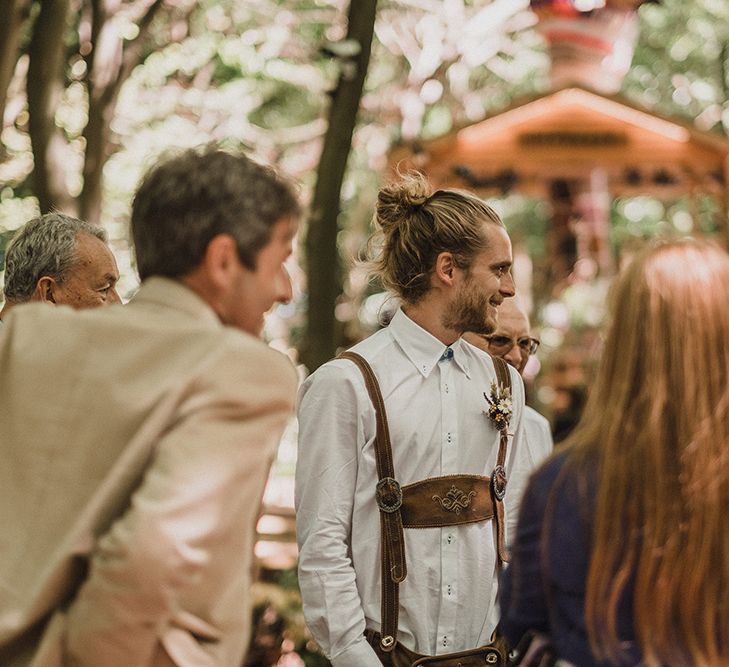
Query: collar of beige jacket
x=169 y=293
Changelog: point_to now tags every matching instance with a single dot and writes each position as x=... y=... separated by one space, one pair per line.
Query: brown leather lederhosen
x=431 y=503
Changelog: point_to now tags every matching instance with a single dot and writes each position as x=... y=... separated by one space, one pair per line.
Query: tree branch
x=110 y=64
x=12 y=15
x=45 y=84
x=322 y=257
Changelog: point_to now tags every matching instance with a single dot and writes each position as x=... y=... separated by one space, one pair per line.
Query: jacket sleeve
x=522 y=591
x=158 y=574
x=518 y=463
x=331 y=435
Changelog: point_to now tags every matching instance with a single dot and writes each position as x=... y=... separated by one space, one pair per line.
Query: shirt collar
x=461 y=357
x=422 y=348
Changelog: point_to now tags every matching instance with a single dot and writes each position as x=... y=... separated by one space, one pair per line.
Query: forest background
x=93 y=91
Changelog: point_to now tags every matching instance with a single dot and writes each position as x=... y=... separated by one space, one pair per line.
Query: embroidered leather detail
x=455 y=500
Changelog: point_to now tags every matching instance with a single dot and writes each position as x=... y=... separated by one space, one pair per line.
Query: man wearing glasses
x=511 y=340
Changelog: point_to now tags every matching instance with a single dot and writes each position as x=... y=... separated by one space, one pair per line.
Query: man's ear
x=445 y=268
x=221 y=260
x=45 y=290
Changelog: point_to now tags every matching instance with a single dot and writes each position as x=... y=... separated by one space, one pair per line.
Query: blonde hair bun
x=401 y=199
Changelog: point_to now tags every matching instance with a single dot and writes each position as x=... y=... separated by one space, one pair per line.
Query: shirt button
x=449 y=438
x=449 y=539
x=450 y=589
x=446 y=389
x=445 y=640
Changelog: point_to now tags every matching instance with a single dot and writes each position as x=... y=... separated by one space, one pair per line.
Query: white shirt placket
x=449 y=536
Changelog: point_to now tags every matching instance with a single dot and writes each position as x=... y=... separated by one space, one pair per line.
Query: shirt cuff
x=359 y=654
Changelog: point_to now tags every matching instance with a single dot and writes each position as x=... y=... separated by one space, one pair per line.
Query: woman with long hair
x=622 y=552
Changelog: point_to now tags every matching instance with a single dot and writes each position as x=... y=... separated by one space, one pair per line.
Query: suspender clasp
x=498 y=482
x=388 y=495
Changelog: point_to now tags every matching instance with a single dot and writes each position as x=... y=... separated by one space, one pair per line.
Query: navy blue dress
x=543 y=588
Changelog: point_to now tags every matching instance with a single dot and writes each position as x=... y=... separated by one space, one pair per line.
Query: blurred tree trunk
x=45 y=87
x=12 y=14
x=110 y=61
x=322 y=257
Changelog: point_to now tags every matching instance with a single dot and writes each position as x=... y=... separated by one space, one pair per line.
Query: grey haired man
x=58 y=259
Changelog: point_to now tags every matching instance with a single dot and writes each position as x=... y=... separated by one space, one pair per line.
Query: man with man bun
x=406 y=445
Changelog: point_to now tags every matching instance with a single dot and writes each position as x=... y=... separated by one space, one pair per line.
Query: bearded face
x=473 y=307
x=482 y=287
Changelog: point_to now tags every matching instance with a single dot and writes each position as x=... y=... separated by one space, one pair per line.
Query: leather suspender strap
x=389 y=501
x=498 y=476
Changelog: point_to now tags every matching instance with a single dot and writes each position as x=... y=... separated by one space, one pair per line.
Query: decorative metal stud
x=388 y=495
x=498 y=482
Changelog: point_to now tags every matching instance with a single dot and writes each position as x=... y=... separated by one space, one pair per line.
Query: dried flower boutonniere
x=499 y=405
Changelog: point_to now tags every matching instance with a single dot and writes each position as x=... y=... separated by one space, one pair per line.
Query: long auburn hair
x=656 y=425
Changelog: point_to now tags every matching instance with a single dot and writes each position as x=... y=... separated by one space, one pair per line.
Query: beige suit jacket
x=135 y=442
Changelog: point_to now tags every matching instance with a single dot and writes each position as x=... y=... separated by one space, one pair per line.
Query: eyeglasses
x=502 y=344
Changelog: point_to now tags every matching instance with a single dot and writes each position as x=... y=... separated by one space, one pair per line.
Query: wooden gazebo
x=568 y=133
x=579 y=149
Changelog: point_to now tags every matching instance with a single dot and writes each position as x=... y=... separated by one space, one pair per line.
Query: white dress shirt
x=538 y=435
x=539 y=445
x=438 y=426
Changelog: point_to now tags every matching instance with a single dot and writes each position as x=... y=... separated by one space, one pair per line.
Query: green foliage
x=640 y=218
x=255 y=75
x=527 y=221
x=680 y=63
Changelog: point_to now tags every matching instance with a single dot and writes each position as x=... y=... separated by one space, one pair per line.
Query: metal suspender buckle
x=388 y=495
x=387 y=641
x=498 y=482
